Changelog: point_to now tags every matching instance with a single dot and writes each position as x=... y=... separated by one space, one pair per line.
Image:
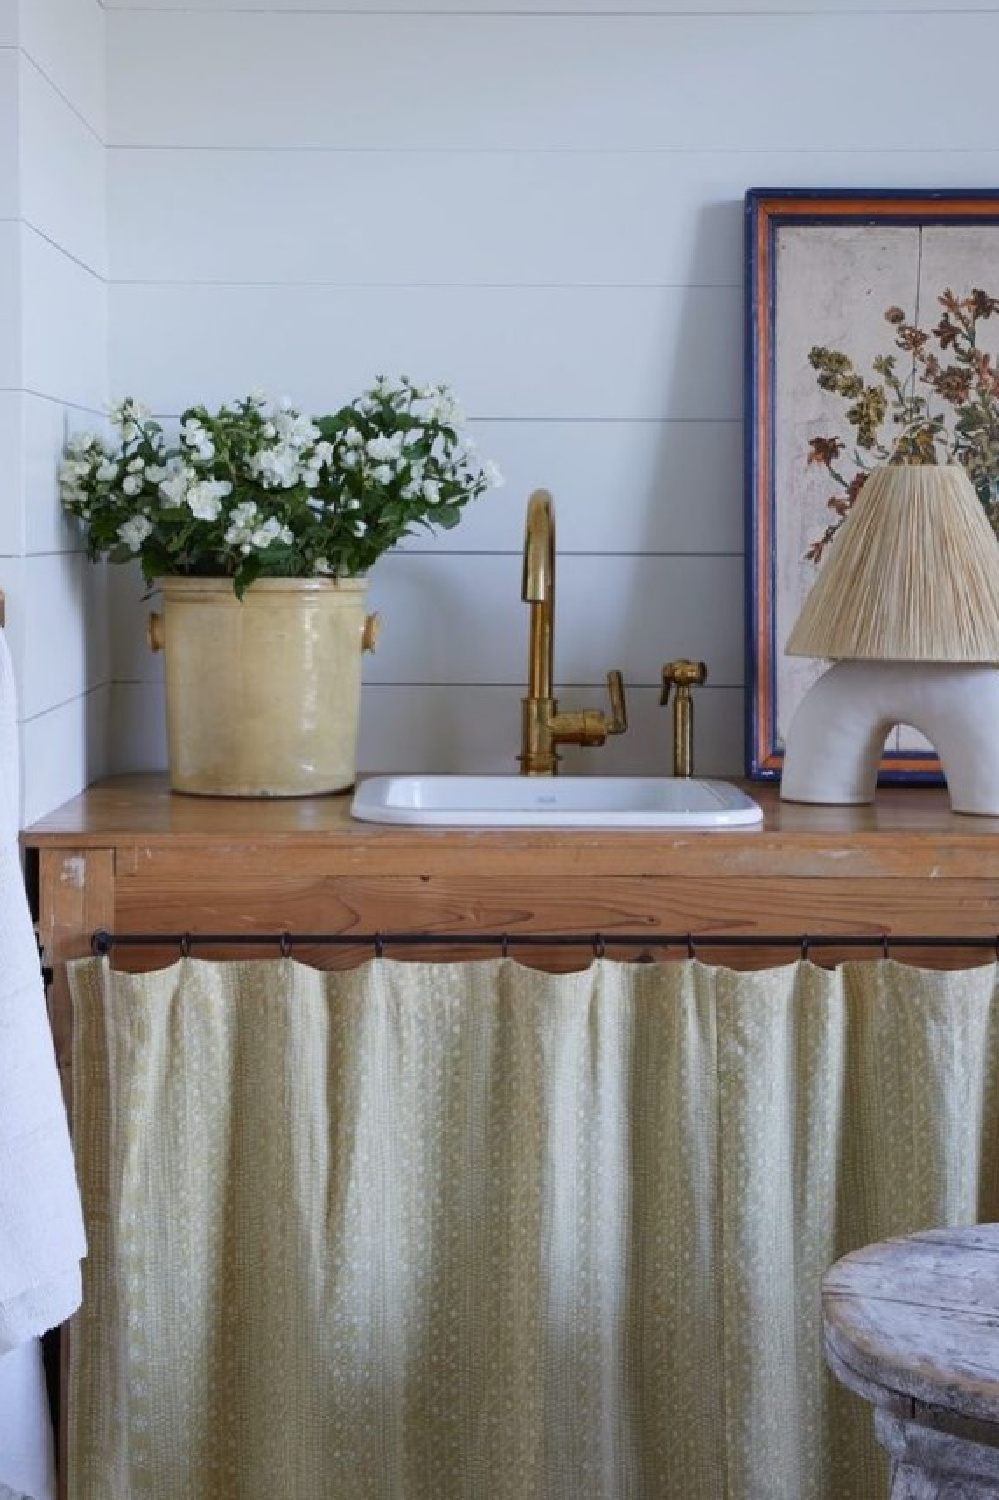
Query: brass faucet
x=543 y=728
x=683 y=675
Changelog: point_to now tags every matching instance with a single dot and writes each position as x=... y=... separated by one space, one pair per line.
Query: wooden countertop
x=130 y=856
x=908 y=831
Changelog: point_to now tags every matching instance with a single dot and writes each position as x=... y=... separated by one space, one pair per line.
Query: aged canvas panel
x=828 y=285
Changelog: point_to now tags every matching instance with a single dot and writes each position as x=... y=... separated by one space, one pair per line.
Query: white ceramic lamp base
x=837 y=733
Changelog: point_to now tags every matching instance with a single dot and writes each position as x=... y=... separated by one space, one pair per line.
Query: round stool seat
x=912 y=1325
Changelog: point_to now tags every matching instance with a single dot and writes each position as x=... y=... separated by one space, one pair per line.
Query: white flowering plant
x=257 y=490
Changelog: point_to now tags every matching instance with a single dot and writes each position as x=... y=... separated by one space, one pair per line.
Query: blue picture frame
x=774 y=219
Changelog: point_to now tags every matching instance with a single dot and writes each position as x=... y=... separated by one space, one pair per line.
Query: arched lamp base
x=837 y=733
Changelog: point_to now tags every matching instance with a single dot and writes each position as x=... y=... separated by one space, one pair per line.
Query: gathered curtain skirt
x=476 y=1232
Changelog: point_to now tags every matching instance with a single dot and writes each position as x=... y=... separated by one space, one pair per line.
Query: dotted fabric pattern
x=475 y=1232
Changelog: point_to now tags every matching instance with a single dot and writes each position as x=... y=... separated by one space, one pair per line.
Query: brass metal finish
x=543 y=728
x=371 y=632
x=156 y=631
x=683 y=675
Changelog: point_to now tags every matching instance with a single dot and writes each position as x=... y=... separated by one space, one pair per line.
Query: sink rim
x=383 y=799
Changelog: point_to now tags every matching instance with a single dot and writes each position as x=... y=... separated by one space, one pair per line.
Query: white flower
x=431 y=491
x=353 y=438
x=195 y=435
x=321 y=565
x=380 y=448
x=492 y=476
x=244 y=514
x=127 y=414
x=132 y=484
x=205 y=497
x=276 y=468
x=444 y=407
x=71 y=470
x=270 y=531
x=155 y=472
x=174 y=489
x=382 y=473
x=134 y=532
x=296 y=431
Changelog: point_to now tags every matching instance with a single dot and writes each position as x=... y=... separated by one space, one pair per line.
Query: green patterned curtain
x=475 y=1232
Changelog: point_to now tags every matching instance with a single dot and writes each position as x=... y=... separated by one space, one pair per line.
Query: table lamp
x=907 y=607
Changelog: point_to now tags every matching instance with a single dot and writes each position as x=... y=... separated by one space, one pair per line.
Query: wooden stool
x=912 y=1325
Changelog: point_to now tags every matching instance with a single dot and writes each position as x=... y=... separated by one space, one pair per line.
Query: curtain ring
x=599 y=947
x=185 y=945
x=505 y=945
x=285 y=943
x=379 y=945
x=691 y=950
x=101 y=943
x=804 y=945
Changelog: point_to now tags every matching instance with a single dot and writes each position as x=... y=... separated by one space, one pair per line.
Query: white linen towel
x=41 y=1226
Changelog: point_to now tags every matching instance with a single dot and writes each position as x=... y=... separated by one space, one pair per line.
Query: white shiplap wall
x=542 y=205
x=53 y=375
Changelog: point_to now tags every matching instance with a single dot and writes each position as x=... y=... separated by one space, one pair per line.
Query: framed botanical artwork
x=872 y=337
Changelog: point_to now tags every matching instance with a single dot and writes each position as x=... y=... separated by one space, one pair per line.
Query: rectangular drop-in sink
x=555 y=802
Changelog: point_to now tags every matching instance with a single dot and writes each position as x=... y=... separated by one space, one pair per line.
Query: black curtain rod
x=104 y=942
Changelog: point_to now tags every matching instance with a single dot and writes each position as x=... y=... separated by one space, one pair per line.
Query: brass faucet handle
x=618 y=721
x=682 y=674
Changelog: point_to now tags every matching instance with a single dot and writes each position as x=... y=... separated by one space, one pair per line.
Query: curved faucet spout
x=543 y=727
x=538 y=589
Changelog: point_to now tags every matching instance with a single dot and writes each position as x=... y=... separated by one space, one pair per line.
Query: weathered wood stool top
x=912 y=1325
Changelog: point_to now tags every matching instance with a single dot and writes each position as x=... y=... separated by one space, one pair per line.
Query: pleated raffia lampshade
x=911 y=575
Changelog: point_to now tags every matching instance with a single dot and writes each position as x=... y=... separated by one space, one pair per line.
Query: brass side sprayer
x=683 y=675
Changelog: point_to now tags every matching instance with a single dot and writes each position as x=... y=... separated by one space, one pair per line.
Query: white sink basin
x=555 y=802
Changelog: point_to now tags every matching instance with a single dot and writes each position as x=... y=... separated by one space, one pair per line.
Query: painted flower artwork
x=934 y=398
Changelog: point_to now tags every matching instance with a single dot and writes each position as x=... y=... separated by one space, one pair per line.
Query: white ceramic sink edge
x=555 y=802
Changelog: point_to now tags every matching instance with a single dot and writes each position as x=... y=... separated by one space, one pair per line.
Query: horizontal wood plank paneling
x=64 y=749
x=522 y=217
x=542 y=7
x=619 y=487
x=12 y=517
x=471 y=729
x=448 y=618
x=63 y=192
x=642 y=487
x=66 y=40
x=46 y=423
x=552 y=352
x=64 y=310
x=10 y=192
x=62 y=661
x=11 y=316
x=498 y=82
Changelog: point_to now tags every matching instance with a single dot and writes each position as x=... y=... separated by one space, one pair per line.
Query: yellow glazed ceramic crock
x=262 y=693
